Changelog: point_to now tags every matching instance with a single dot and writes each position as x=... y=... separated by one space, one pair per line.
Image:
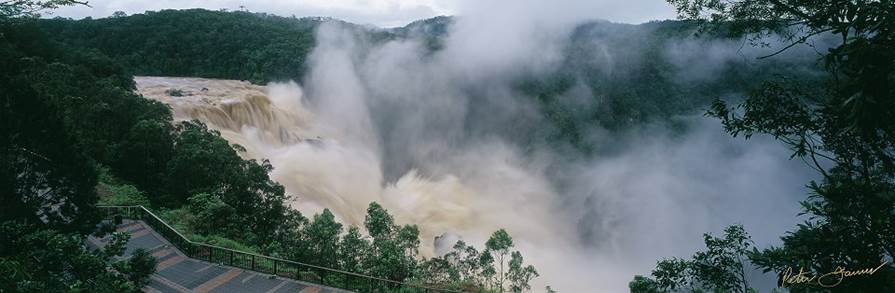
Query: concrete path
x=176 y=273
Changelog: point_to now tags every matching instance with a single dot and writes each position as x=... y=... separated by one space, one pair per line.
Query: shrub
x=122 y=195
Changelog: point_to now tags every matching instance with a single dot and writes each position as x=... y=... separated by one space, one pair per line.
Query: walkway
x=176 y=273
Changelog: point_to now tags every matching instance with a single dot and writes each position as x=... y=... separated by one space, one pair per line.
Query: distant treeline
x=632 y=74
x=197 y=42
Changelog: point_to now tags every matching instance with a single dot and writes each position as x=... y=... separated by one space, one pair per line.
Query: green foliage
x=465 y=268
x=178 y=218
x=122 y=195
x=203 y=162
x=32 y=8
x=719 y=268
x=141 y=156
x=722 y=265
x=393 y=253
x=117 y=244
x=438 y=271
x=352 y=250
x=34 y=259
x=844 y=130
x=45 y=163
x=409 y=239
x=499 y=247
x=642 y=284
x=232 y=45
x=322 y=241
x=519 y=275
x=378 y=222
x=323 y=236
x=210 y=215
x=224 y=242
x=474 y=267
x=139 y=267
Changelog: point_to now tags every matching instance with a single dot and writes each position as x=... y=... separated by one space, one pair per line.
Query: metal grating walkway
x=176 y=273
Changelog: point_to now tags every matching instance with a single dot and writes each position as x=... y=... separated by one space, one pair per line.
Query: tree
x=409 y=239
x=352 y=250
x=437 y=270
x=50 y=141
x=672 y=274
x=47 y=184
x=843 y=130
x=31 y=8
x=34 y=259
x=467 y=260
x=211 y=215
x=142 y=156
x=642 y=284
x=719 y=268
x=486 y=262
x=722 y=266
x=139 y=267
x=287 y=240
x=499 y=246
x=122 y=195
x=322 y=236
x=204 y=162
x=394 y=247
x=520 y=275
x=378 y=222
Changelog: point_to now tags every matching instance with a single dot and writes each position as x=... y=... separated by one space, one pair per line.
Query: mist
x=442 y=139
x=440 y=133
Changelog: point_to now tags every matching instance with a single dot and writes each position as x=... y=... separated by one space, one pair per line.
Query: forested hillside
x=231 y=45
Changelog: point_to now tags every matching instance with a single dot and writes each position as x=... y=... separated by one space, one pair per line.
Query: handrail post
x=253 y=262
x=231 y=257
x=275 y=267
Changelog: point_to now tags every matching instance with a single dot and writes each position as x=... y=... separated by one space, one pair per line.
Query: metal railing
x=261 y=263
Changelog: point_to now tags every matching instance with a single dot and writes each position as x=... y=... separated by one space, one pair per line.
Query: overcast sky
x=383 y=13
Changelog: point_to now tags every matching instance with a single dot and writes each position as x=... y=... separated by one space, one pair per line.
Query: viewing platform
x=188 y=266
x=178 y=273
